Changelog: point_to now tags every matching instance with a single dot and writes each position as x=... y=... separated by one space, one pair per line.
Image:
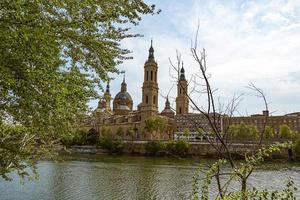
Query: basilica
x=129 y=123
x=121 y=117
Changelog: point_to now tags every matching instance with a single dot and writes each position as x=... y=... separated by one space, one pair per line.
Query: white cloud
x=245 y=41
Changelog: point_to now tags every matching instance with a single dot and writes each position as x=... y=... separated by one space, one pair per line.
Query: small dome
x=168 y=110
x=123 y=96
x=122 y=103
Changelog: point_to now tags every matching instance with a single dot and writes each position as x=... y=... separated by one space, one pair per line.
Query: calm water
x=121 y=177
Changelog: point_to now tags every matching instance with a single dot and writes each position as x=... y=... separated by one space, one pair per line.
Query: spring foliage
x=52 y=55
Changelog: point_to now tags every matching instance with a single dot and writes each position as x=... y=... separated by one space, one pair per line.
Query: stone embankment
x=195 y=149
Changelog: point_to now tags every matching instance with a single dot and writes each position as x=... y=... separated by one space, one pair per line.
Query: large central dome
x=122 y=103
x=123 y=96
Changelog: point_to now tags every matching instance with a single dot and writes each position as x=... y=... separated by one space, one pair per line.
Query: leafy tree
x=179 y=147
x=80 y=136
x=297 y=148
x=105 y=131
x=52 y=55
x=243 y=131
x=112 y=142
x=269 y=133
x=119 y=132
x=113 y=145
x=130 y=133
x=186 y=133
x=92 y=137
x=154 y=147
x=155 y=125
x=285 y=132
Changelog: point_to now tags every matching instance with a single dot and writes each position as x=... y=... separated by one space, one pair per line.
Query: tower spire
x=151 y=51
x=107 y=87
x=123 y=85
x=167 y=102
x=182 y=75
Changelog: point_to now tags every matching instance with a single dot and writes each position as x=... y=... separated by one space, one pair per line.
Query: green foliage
x=243 y=131
x=264 y=152
x=120 y=132
x=113 y=143
x=154 y=147
x=285 y=132
x=240 y=172
x=186 y=132
x=287 y=193
x=179 y=147
x=92 y=137
x=105 y=131
x=269 y=133
x=297 y=148
x=81 y=136
x=130 y=132
x=155 y=125
x=17 y=144
x=52 y=55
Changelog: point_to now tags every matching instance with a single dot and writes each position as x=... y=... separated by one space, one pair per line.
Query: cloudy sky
x=245 y=41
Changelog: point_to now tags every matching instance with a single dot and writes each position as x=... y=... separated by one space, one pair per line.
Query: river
x=91 y=177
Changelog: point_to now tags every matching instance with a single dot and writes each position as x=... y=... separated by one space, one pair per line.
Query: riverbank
x=195 y=149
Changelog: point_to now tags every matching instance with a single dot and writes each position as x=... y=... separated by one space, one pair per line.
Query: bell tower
x=182 y=101
x=107 y=97
x=149 y=105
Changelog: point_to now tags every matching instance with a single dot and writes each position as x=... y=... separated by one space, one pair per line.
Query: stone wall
x=195 y=149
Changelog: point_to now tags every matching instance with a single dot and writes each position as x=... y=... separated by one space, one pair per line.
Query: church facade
x=131 y=124
x=123 y=120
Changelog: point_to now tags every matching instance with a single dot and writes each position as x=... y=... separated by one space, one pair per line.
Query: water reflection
x=120 y=177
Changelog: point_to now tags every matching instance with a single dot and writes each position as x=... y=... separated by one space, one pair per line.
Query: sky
x=245 y=41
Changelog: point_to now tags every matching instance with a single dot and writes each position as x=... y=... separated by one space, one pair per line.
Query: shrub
x=243 y=131
x=92 y=137
x=179 y=147
x=120 y=132
x=285 y=132
x=154 y=147
x=78 y=137
x=107 y=140
x=297 y=148
x=111 y=144
x=170 y=146
x=269 y=133
x=186 y=133
x=130 y=132
x=67 y=140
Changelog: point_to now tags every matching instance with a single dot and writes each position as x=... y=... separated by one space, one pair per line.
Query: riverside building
x=122 y=119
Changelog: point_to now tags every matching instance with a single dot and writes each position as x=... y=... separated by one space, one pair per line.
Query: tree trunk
x=244 y=188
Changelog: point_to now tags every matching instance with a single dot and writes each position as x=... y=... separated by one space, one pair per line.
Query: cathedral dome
x=123 y=96
x=122 y=101
x=168 y=110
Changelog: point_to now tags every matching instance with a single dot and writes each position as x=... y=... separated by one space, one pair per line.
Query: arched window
x=151 y=75
x=146 y=98
x=154 y=99
x=147 y=76
x=179 y=110
x=179 y=90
